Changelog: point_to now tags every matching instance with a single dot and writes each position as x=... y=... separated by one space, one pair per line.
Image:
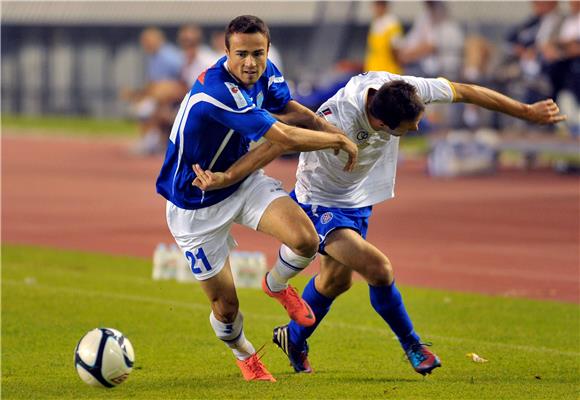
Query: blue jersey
x=215 y=124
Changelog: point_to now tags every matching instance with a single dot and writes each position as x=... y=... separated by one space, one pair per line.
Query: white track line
x=276 y=318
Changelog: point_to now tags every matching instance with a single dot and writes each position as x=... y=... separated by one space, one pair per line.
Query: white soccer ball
x=104 y=357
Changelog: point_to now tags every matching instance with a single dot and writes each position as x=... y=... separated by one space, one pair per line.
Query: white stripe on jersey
x=191 y=101
x=275 y=79
x=221 y=148
x=179 y=116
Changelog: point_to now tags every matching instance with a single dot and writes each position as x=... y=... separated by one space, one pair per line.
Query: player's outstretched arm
x=542 y=112
x=253 y=160
x=292 y=138
x=296 y=114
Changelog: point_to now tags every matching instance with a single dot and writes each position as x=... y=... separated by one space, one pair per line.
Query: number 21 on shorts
x=199 y=255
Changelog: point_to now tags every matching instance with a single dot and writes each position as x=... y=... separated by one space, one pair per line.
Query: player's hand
x=352 y=150
x=545 y=112
x=207 y=180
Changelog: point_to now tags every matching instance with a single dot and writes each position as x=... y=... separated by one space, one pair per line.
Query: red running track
x=512 y=234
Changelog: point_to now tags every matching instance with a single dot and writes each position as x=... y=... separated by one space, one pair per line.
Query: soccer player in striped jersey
x=229 y=106
x=375 y=109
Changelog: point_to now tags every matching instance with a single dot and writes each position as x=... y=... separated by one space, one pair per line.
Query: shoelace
x=293 y=293
x=254 y=363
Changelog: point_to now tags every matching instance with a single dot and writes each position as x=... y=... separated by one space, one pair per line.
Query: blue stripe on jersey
x=215 y=124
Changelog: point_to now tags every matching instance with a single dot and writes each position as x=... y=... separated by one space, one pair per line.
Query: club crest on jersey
x=237 y=94
x=260 y=99
x=362 y=136
x=326 y=217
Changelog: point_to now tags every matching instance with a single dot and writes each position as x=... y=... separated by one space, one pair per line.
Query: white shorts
x=204 y=234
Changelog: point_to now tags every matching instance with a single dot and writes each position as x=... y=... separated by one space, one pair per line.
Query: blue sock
x=388 y=303
x=320 y=306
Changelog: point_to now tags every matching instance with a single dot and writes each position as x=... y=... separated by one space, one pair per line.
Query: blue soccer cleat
x=422 y=359
x=298 y=357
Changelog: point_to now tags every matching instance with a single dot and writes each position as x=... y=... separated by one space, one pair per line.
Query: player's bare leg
x=348 y=248
x=334 y=278
x=348 y=251
x=285 y=220
x=227 y=322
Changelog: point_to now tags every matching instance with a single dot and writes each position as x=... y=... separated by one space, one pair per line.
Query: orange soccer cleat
x=254 y=370
x=298 y=310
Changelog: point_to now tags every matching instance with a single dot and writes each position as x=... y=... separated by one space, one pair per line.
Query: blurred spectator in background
x=218 y=43
x=164 y=59
x=477 y=69
x=384 y=33
x=562 y=57
x=327 y=84
x=434 y=45
x=153 y=104
x=198 y=57
x=526 y=43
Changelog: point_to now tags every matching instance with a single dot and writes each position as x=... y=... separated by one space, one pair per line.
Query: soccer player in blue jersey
x=374 y=109
x=229 y=106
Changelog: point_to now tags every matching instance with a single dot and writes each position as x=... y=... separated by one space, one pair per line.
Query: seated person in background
x=198 y=57
x=477 y=67
x=434 y=45
x=562 y=57
x=164 y=88
x=526 y=42
x=328 y=84
x=432 y=48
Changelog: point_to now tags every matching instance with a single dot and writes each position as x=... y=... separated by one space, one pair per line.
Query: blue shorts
x=327 y=219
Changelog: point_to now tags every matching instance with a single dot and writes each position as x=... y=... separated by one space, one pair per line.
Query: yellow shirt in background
x=382 y=33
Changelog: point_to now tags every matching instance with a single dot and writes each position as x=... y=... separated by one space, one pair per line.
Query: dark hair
x=246 y=24
x=396 y=101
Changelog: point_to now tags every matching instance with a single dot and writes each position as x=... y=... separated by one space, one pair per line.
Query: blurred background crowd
x=137 y=59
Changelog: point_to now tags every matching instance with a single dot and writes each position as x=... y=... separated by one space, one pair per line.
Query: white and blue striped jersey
x=320 y=179
x=215 y=124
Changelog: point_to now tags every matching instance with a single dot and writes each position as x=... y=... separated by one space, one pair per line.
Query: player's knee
x=381 y=273
x=225 y=310
x=305 y=243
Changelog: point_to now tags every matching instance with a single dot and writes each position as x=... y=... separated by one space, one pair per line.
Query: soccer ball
x=104 y=357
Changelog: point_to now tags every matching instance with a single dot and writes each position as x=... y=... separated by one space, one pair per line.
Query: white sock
x=288 y=265
x=233 y=336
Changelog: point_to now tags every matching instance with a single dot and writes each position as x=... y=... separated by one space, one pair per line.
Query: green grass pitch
x=50 y=298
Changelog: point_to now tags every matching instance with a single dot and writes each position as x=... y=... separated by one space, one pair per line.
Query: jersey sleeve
x=438 y=90
x=278 y=92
